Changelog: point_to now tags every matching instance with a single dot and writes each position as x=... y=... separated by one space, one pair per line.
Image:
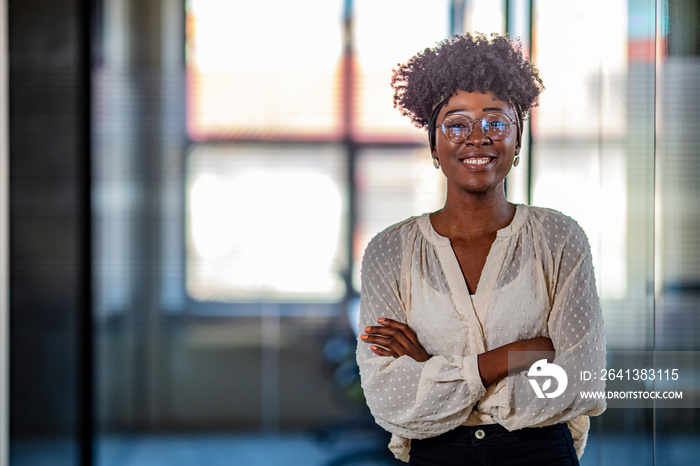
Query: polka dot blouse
x=538 y=280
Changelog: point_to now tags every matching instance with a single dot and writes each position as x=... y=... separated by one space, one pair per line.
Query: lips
x=478 y=160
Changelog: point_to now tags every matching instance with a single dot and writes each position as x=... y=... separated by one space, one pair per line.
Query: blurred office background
x=192 y=184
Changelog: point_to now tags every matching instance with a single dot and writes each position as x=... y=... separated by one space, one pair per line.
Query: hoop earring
x=436 y=162
x=516 y=160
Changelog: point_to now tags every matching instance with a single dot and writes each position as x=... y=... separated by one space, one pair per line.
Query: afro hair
x=468 y=63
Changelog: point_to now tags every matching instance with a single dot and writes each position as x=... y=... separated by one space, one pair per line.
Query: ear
x=517 y=149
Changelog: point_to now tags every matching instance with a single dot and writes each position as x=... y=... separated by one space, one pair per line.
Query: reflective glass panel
x=261 y=70
x=265 y=222
x=392 y=185
x=387 y=33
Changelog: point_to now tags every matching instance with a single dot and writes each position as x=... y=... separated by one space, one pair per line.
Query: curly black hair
x=468 y=63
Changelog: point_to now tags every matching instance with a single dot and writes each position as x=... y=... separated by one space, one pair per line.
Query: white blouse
x=538 y=280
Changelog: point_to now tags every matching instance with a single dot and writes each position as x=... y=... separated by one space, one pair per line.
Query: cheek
x=510 y=146
x=443 y=146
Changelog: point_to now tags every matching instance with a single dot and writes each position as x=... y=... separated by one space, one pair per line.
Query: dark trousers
x=493 y=445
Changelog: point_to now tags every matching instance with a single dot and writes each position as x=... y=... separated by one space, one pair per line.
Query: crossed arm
x=395 y=339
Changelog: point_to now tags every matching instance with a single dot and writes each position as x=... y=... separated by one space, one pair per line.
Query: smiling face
x=479 y=164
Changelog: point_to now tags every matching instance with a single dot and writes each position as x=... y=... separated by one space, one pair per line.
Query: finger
x=405 y=335
x=382 y=351
x=384 y=331
x=388 y=345
x=399 y=332
x=390 y=337
x=386 y=341
x=404 y=328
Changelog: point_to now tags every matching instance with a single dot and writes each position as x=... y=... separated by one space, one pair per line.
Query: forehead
x=475 y=102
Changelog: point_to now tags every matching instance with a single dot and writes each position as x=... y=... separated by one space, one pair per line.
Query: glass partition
x=593 y=158
x=677 y=218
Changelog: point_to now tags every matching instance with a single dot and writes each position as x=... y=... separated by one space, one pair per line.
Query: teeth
x=477 y=161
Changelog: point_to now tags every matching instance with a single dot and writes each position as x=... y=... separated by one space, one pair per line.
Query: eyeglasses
x=496 y=126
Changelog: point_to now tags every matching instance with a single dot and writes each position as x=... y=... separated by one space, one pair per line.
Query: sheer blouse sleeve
x=408 y=398
x=575 y=326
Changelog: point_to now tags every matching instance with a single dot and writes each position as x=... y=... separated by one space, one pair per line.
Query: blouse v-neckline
x=477 y=304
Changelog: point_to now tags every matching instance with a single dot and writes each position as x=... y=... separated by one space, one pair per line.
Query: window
x=298 y=157
x=265 y=222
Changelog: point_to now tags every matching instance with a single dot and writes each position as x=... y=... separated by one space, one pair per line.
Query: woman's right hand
x=395 y=339
x=495 y=364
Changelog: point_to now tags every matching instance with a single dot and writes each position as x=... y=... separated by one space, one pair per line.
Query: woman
x=446 y=296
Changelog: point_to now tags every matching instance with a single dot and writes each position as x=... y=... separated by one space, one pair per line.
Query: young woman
x=446 y=296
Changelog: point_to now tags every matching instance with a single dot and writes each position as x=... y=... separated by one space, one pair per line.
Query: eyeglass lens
x=457 y=128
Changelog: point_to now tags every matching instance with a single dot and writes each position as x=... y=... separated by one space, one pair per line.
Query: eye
x=457 y=128
x=496 y=126
x=494 y=121
x=456 y=122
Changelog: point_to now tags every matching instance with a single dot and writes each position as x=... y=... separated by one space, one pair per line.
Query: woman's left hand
x=394 y=339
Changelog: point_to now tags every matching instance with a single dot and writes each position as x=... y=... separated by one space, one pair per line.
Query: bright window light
x=265 y=223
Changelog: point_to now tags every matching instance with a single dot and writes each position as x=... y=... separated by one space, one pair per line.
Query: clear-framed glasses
x=457 y=128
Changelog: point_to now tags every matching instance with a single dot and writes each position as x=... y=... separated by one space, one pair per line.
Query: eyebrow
x=487 y=109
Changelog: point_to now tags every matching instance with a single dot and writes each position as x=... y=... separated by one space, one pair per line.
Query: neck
x=465 y=216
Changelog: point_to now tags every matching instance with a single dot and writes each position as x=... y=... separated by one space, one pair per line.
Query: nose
x=477 y=136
